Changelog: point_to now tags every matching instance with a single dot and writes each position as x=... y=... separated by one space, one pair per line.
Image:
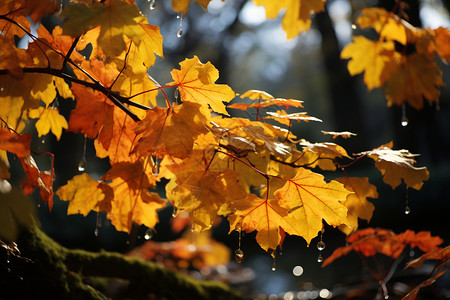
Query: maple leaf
x=257 y=95
x=370 y=241
x=182 y=6
x=387 y=24
x=38 y=8
x=12 y=8
x=19 y=144
x=320 y=155
x=416 y=77
x=195 y=82
x=204 y=194
x=170 y=130
x=285 y=118
x=85 y=194
x=396 y=165
x=133 y=202
x=356 y=203
x=118 y=19
x=442 y=41
x=309 y=200
x=344 y=134
x=10 y=58
x=264 y=215
x=297 y=16
x=37 y=179
x=374 y=58
x=49 y=119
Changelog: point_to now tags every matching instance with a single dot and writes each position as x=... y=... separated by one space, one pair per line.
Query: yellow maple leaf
x=85 y=194
x=264 y=215
x=396 y=165
x=182 y=6
x=375 y=58
x=309 y=200
x=320 y=155
x=387 y=24
x=356 y=203
x=118 y=19
x=49 y=120
x=195 y=81
x=297 y=18
x=442 y=41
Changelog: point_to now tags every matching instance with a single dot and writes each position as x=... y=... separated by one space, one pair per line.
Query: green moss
x=78 y=274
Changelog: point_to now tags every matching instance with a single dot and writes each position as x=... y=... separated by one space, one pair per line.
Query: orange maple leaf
x=170 y=131
x=19 y=144
x=182 y=6
x=196 y=83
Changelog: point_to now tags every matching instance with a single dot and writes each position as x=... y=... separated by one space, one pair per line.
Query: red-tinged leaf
x=278 y=101
x=372 y=241
x=19 y=144
x=37 y=179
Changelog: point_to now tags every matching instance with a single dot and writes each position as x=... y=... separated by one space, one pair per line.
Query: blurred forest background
x=251 y=52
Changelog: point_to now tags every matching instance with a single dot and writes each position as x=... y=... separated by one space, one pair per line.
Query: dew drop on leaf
x=321 y=245
x=407 y=210
x=320 y=258
x=239 y=255
x=148 y=234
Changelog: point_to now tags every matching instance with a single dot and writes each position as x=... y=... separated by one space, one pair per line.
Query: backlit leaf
x=49 y=120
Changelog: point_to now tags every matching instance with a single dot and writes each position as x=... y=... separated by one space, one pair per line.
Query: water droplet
x=404 y=120
x=321 y=245
x=43 y=140
x=319 y=258
x=180 y=30
x=239 y=255
x=438 y=107
x=386 y=296
x=353 y=26
x=82 y=165
x=407 y=210
x=175 y=211
x=2 y=89
x=96 y=231
x=148 y=234
x=176 y=94
x=152 y=4
x=274 y=266
x=411 y=253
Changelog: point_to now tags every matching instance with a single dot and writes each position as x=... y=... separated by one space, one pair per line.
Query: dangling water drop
x=98 y=224
x=404 y=118
x=274 y=265
x=386 y=296
x=239 y=255
x=407 y=210
x=176 y=94
x=148 y=234
x=152 y=4
x=175 y=211
x=82 y=164
x=319 y=258
x=353 y=26
x=180 y=30
x=96 y=231
x=321 y=245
